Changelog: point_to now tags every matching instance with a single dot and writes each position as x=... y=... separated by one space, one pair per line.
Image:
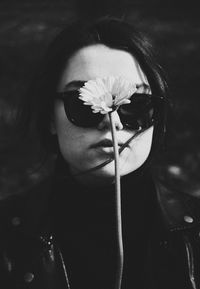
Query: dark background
x=27 y=27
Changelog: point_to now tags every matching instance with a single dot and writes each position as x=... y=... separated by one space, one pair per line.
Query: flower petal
x=105 y=94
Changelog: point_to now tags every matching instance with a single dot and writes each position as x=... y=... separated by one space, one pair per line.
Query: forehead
x=99 y=61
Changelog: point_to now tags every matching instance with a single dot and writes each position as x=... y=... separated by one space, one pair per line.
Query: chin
x=108 y=171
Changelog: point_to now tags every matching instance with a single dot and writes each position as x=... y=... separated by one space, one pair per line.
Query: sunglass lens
x=139 y=113
x=78 y=113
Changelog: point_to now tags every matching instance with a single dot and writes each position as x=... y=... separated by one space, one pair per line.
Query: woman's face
x=78 y=145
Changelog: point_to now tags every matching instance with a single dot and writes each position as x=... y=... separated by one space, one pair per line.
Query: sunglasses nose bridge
x=105 y=123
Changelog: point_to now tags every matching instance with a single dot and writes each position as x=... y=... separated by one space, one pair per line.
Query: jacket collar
x=181 y=211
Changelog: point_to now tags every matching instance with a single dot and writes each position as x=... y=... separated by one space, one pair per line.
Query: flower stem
x=118 y=207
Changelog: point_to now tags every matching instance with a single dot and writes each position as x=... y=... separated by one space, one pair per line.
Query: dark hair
x=112 y=32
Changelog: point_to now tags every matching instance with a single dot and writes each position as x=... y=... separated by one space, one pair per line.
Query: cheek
x=69 y=138
x=73 y=141
x=142 y=144
x=139 y=151
x=72 y=146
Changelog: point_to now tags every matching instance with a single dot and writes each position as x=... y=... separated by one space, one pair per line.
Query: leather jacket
x=31 y=258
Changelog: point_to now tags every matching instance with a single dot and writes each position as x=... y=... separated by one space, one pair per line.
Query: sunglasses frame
x=64 y=96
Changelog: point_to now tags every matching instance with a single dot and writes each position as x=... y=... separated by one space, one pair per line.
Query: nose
x=105 y=123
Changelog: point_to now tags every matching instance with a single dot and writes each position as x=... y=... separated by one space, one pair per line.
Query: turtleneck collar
x=135 y=187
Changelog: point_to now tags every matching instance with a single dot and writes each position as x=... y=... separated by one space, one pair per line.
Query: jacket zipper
x=190 y=258
x=64 y=268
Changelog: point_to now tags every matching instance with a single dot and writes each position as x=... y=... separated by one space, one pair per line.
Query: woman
x=64 y=236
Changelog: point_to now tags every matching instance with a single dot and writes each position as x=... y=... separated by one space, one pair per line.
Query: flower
x=106 y=94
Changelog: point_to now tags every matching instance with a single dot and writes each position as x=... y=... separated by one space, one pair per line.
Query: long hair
x=112 y=32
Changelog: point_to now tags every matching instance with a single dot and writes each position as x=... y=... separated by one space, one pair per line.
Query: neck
x=93 y=179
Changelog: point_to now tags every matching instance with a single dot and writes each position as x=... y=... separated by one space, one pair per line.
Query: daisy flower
x=106 y=94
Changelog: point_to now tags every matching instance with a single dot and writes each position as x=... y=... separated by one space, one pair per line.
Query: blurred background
x=27 y=27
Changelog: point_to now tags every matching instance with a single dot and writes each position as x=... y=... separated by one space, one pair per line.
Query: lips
x=106 y=143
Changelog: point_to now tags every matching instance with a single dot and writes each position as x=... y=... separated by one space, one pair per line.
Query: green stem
x=118 y=206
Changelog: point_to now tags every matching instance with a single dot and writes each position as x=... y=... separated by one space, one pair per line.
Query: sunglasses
x=139 y=114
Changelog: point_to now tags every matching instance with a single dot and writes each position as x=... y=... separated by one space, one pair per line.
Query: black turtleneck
x=86 y=230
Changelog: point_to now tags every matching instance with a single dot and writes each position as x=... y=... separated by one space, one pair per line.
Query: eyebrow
x=79 y=83
x=74 y=84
